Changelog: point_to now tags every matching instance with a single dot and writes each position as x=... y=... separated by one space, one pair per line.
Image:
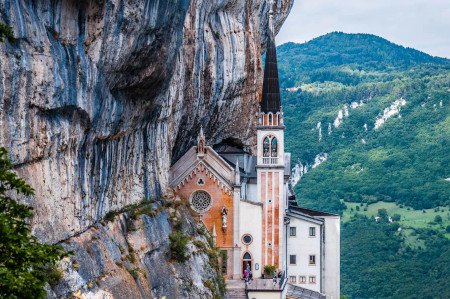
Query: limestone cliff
x=128 y=256
x=98 y=98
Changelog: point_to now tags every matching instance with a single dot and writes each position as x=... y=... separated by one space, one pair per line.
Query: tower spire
x=271 y=88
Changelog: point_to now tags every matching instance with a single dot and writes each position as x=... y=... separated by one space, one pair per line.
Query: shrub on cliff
x=25 y=264
x=178 y=246
x=6 y=32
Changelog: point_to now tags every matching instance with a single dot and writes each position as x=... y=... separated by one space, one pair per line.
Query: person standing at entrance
x=249 y=271
x=246 y=276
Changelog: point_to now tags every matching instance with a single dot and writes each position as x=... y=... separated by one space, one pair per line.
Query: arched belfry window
x=266 y=147
x=270 y=147
x=274 y=147
x=270 y=117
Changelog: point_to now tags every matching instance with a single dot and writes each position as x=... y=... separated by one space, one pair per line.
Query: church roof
x=228 y=149
x=309 y=212
x=271 y=89
x=247 y=162
x=294 y=291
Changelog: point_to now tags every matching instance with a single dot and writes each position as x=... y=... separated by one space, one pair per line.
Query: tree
x=438 y=219
x=396 y=217
x=25 y=264
x=6 y=32
x=383 y=213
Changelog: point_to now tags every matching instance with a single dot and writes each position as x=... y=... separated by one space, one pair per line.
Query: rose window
x=200 y=201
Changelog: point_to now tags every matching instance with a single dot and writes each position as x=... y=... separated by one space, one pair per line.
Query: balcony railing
x=270 y=161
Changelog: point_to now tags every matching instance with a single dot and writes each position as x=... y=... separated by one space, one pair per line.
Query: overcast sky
x=420 y=24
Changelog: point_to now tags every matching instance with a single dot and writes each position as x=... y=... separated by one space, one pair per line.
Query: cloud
x=420 y=24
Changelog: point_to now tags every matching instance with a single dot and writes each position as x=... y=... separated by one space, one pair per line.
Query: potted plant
x=269 y=271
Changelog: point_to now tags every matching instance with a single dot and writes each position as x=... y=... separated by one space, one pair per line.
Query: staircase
x=235 y=289
x=236 y=294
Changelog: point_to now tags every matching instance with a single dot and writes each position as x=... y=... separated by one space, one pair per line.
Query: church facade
x=246 y=202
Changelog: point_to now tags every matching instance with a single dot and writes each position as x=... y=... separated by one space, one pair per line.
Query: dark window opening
x=292 y=259
x=274 y=146
x=293 y=231
x=266 y=147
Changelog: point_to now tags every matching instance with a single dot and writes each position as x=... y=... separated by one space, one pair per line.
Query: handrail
x=283 y=280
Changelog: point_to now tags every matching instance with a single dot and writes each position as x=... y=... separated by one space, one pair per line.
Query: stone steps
x=236 y=294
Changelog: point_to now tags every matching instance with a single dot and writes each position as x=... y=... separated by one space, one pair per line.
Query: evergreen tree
x=25 y=264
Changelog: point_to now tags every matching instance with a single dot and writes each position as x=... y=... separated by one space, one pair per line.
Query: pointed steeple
x=201 y=135
x=237 y=177
x=271 y=88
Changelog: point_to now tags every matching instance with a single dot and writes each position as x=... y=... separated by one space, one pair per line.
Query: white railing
x=270 y=160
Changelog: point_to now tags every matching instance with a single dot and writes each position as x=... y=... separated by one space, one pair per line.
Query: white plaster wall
x=332 y=257
x=250 y=219
x=264 y=295
x=302 y=245
x=252 y=193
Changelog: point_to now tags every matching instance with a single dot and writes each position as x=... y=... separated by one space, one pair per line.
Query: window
x=274 y=147
x=200 y=201
x=293 y=279
x=292 y=259
x=302 y=279
x=266 y=147
x=270 y=117
x=270 y=148
x=247 y=256
x=293 y=231
x=312 y=259
x=247 y=239
x=201 y=182
x=312 y=279
x=312 y=231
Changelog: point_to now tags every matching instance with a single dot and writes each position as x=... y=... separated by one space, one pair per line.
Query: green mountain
x=368 y=124
x=332 y=57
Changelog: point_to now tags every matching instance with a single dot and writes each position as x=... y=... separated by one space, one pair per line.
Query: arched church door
x=247 y=262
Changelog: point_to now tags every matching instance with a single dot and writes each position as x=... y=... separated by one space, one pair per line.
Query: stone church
x=246 y=202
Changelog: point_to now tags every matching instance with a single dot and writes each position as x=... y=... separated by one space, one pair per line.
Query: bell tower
x=270 y=159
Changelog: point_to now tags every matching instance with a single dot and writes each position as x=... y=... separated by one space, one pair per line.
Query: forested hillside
x=368 y=124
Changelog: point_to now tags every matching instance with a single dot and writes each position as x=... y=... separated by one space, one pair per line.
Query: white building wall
x=252 y=193
x=250 y=219
x=302 y=246
x=332 y=257
x=265 y=295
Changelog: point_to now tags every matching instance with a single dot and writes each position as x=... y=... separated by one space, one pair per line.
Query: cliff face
x=98 y=98
x=129 y=256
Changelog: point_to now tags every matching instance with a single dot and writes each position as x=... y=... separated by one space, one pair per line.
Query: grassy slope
x=404 y=162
